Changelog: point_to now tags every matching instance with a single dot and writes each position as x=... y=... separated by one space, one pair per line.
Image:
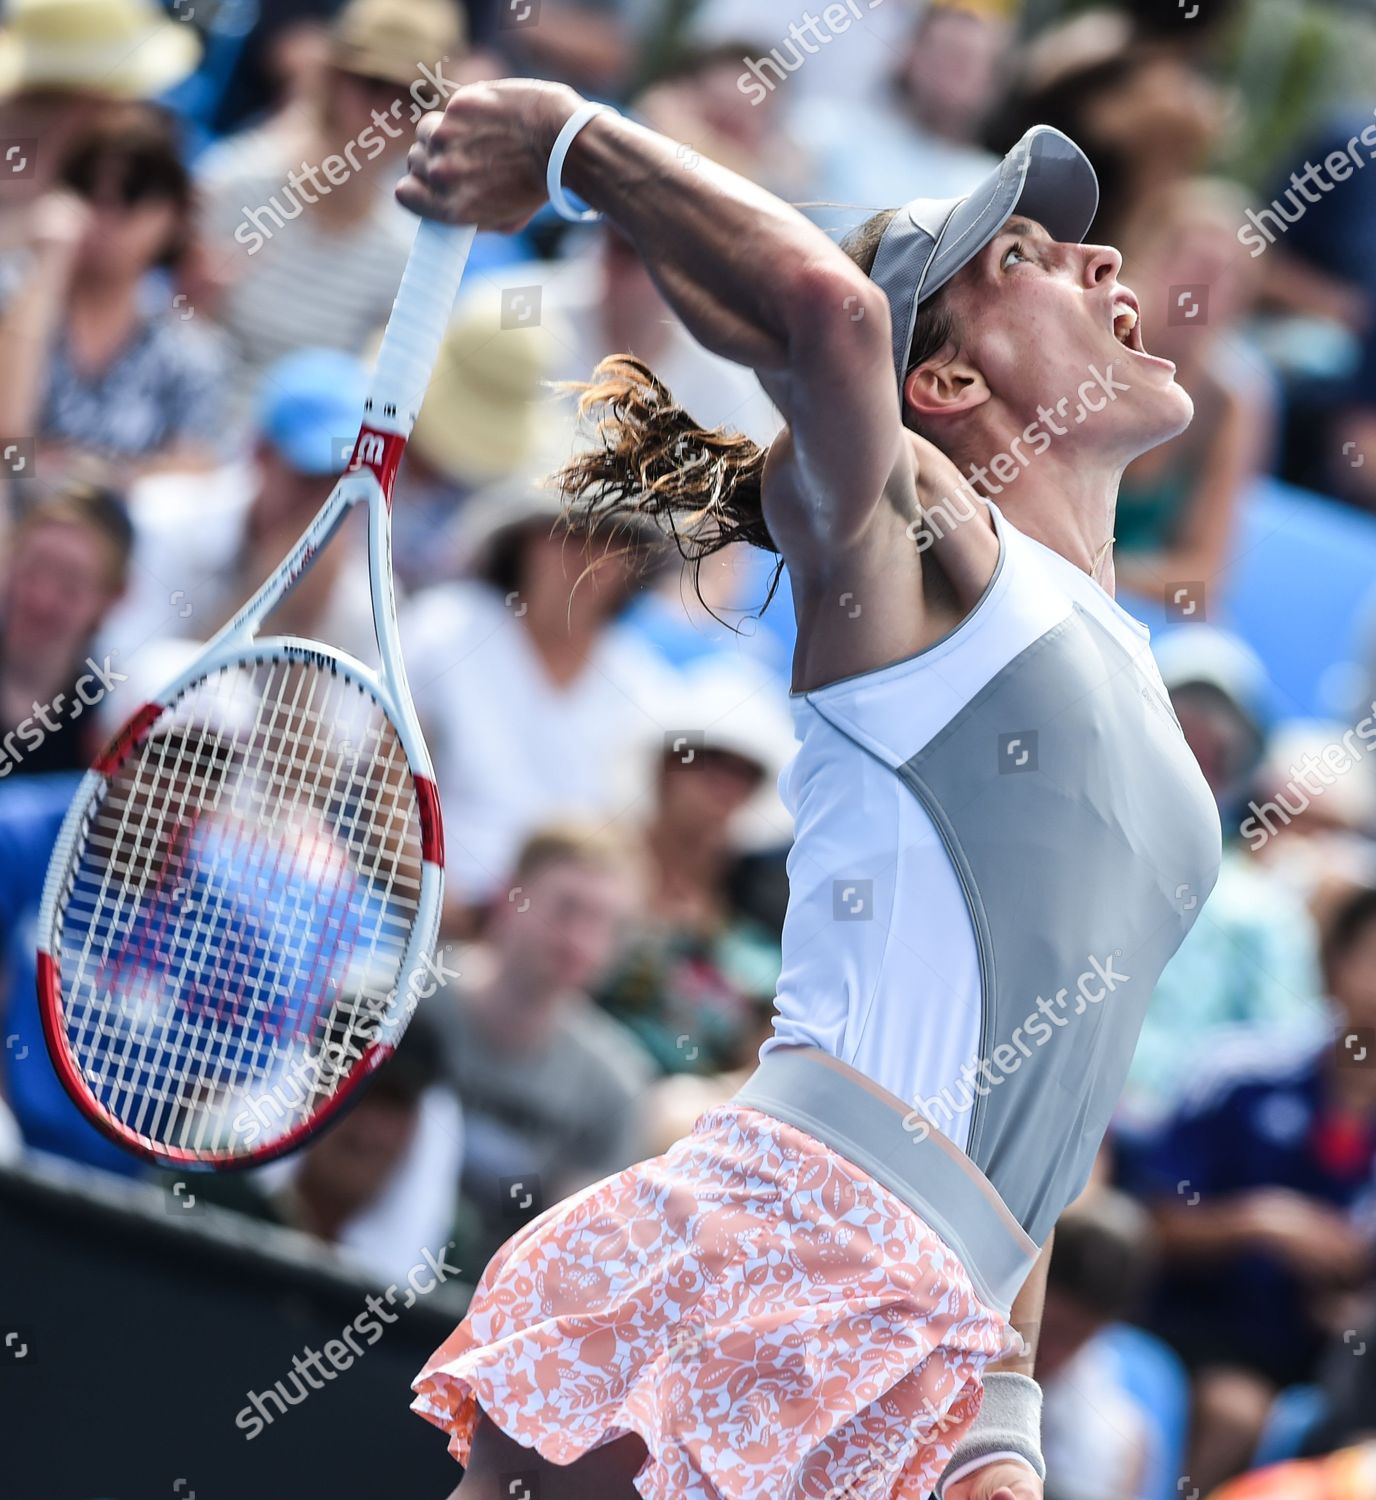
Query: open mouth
x=1127 y=319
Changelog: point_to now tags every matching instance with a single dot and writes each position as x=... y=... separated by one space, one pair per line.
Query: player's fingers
x=428 y=125
x=418 y=162
x=420 y=198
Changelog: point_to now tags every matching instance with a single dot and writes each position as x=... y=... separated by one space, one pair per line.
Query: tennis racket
x=243 y=903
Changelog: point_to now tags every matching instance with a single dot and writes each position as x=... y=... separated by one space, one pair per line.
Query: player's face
x=1055 y=337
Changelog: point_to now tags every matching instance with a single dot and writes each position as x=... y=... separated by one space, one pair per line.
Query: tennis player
x=832 y=1286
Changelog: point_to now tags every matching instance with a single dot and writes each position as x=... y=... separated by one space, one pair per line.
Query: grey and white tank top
x=999 y=842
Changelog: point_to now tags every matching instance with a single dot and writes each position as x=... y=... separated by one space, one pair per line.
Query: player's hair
x=700 y=486
x=94 y=508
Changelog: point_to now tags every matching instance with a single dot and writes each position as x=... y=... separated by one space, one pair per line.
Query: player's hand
x=997 y=1482
x=482 y=161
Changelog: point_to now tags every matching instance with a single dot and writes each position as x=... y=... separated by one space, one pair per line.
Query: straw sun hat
x=123 y=49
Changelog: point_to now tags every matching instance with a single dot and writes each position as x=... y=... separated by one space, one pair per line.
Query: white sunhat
x=124 y=49
x=730 y=704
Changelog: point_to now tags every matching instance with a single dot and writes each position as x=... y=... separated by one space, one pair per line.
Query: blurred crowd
x=198 y=247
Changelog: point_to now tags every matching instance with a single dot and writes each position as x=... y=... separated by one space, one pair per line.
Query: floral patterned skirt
x=769 y=1319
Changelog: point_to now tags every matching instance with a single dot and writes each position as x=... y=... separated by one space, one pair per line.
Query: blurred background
x=198 y=247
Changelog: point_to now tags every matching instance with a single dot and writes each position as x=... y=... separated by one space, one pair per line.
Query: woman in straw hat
x=60 y=60
x=832 y=1285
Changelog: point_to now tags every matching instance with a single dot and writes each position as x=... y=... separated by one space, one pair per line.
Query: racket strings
x=241 y=906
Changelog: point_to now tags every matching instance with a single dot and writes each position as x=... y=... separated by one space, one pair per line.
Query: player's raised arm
x=749 y=276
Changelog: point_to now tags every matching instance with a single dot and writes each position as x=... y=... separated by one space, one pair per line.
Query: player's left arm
x=1026 y=1316
x=1009 y=1422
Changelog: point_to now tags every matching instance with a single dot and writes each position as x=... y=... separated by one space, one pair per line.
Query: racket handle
x=420 y=315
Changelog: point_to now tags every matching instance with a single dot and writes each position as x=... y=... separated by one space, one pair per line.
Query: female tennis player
x=831 y=1286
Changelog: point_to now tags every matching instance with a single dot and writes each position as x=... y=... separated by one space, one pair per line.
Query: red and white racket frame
x=406 y=358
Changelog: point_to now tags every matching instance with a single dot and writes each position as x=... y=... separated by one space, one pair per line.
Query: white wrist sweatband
x=1007 y=1430
x=566 y=205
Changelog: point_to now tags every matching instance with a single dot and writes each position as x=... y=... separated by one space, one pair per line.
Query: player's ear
x=944 y=385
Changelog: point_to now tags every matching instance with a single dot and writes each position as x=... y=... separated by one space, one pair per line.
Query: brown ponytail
x=651 y=462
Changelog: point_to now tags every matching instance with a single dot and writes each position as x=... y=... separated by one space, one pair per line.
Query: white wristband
x=564 y=205
x=1007 y=1430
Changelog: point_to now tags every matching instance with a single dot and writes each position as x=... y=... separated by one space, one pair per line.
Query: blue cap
x=309 y=406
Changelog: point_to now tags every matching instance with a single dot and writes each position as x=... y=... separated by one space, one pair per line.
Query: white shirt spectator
x=415 y=1211
x=512 y=749
x=295 y=281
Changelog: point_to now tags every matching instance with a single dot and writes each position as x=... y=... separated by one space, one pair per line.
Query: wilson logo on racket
x=379 y=452
x=251 y=874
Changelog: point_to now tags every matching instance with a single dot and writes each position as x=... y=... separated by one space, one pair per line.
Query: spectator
x=31 y=814
x=96 y=355
x=1095 y=1438
x=602 y=300
x=303 y=240
x=605 y=302
x=1252 y=959
x=696 y=99
x=1312 y=251
x=278 y=68
x=921 y=134
x=206 y=542
x=1255 y=1182
x=694 y=979
x=787 y=59
x=68 y=565
x=60 y=62
x=1142 y=109
x=1313 y=247
x=1314 y=809
x=382 y=1182
x=530 y=689
x=1177 y=505
x=1347 y=1380
x=549 y=1084
x=591 y=44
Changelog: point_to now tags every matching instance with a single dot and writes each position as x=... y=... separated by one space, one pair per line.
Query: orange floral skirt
x=770 y=1320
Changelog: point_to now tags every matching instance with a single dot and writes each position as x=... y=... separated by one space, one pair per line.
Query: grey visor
x=1045 y=177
